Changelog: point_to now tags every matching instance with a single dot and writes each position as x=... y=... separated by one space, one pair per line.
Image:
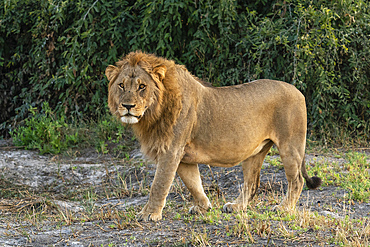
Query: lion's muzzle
x=130 y=119
x=129 y=115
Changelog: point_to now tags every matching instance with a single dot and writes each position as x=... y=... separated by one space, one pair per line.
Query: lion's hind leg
x=251 y=173
x=189 y=174
x=292 y=157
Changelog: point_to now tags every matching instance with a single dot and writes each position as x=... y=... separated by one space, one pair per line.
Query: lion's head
x=143 y=91
x=134 y=88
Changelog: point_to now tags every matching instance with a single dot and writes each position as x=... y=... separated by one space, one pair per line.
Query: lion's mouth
x=130 y=119
x=130 y=115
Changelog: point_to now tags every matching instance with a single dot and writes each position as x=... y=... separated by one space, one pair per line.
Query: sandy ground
x=56 y=184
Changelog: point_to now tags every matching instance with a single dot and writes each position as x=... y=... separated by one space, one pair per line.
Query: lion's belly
x=194 y=154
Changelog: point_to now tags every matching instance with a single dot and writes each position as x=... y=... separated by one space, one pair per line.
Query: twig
x=12 y=147
x=102 y=228
x=90 y=9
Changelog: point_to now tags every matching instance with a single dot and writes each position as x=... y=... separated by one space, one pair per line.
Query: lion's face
x=132 y=91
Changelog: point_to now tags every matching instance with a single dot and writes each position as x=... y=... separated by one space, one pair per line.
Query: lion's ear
x=160 y=71
x=111 y=71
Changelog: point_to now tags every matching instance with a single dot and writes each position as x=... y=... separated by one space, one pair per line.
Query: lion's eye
x=121 y=85
x=142 y=86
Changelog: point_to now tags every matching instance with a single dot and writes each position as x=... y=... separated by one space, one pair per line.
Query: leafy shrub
x=56 y=51
x=50 y=133
x=44 y=132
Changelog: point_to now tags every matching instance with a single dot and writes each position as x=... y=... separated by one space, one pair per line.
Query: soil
x=58 y=190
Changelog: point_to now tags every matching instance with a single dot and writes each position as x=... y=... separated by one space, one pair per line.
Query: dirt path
x=92 y=201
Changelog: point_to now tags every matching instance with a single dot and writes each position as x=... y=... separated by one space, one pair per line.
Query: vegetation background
x=53 y=97
x=56 y=51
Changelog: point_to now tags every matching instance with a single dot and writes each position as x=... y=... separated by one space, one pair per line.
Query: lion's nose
x=128 y=107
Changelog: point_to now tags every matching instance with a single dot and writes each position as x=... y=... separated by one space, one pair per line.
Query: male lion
x=181 y=123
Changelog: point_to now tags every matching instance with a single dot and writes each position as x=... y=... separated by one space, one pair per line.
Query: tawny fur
x=181 y=122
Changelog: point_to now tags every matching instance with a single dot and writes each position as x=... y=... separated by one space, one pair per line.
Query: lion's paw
x=147 y=216
x=228 y=207
x=276 y=208
x=232 y=207
x=196 y=209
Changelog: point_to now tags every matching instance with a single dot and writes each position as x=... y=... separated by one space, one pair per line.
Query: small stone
x=330 y=214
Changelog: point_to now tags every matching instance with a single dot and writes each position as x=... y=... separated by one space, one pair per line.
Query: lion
x=181 y=122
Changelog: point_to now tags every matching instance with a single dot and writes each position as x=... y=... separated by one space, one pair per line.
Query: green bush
x=43 y=131
x=56 y=51
x=49 y=133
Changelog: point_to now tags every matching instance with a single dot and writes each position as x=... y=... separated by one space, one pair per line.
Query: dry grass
x=31 y=212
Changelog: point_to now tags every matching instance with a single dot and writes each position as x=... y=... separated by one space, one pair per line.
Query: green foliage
x=353 y=175
x=50 y=133
x=44 y=132
x=56 y=51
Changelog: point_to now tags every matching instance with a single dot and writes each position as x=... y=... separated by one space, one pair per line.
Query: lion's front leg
x=189 y=173
x=161 y=185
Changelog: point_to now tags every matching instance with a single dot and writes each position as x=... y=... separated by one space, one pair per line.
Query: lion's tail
x=311 y=182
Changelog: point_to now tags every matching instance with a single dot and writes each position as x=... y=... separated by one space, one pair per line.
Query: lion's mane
x=155 y=130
